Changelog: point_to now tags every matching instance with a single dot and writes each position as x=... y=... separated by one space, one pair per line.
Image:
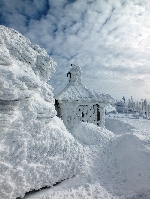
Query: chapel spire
x=74 y=74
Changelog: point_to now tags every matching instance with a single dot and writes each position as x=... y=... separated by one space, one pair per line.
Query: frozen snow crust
x=36 y=150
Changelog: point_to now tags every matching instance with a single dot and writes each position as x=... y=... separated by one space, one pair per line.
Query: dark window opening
x=98 y=113
x=57 y=107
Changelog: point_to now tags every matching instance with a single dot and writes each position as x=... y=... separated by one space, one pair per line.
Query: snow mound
x=126 y=167
x=36 y=150
x=118 y=127
x=90 y=134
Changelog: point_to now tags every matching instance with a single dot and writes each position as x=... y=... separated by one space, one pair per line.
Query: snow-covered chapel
x=77 y=103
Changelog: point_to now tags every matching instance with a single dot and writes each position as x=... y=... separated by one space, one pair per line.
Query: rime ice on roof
x=77 y=103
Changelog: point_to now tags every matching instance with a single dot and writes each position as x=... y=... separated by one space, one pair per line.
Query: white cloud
x=108 y=39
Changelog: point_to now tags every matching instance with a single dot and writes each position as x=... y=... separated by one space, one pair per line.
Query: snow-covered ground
x=117 y=162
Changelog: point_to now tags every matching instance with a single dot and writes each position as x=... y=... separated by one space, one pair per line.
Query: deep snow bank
x=36 y=150
x=126 y=161
x=126 y=167
x=117 y=166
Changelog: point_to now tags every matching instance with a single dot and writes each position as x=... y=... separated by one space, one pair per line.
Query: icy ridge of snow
x=36 y=150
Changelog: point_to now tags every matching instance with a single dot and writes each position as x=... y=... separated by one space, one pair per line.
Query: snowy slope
x=117 y=165
x=36 y=150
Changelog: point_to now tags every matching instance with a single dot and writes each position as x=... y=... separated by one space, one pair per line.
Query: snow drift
x=118 y=127
x=117 y=165
x=36 y=150
x=126 y=167
x=91 y=134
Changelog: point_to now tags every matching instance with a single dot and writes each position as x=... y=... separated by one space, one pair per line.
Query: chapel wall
x=72 y=112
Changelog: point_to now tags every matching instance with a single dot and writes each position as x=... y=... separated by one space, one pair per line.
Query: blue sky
x=108 y=39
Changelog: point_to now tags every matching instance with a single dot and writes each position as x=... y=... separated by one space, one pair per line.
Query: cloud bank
x=109 y=40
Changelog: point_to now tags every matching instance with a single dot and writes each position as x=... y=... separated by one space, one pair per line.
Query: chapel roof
x=75 y=90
